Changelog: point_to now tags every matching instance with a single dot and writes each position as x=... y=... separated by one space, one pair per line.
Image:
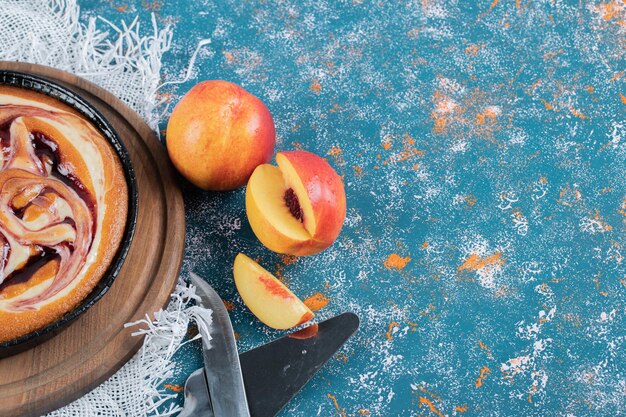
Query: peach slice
x=297 y=208
x=266 y=297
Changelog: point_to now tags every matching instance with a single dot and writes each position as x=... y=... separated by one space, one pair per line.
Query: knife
x=221 y=361
x=273 y=373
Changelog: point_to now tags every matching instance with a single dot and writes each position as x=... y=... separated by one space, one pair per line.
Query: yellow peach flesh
x=266 y=191
x=266 y=297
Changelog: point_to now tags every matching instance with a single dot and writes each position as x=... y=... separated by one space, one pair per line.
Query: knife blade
x=264 y=405
x=274 y=373
x=221 y=361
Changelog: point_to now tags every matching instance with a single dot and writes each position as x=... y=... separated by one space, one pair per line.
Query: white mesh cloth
x=49 y=32
x=121 y=60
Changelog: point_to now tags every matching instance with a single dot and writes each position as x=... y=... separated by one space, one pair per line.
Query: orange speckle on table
x=358 y=171
x=386 y=143
x=475 y=262
x=408 y=140
x=534 y=86
x=551 y=55
x=503 y=291
x=315 y=86
x=429 y=403
x=336 y=404
x=288 y=259
x=617 y=76
x=569 y=195
x=123 y=8
x=546 y=104
x=278 y=273
x=237 y=335
x=589 y=89
x=607 y=227
x=285 y=260
x=424 y=245
x=413 y=33
x=455 y=111
x=390 y=329
x=484 y=372
x=395 y=261
x=472 y=49
x=424 y=390
x=408 y=150
x=230 y=58
x=460 y=408
x=470 y=200
x=440 y=125
x=230 y=306
x=622 y=97
x=152 y=6
x=444 y=108
x=577 y=113
x=574 y=319
x=488 y=115
x=485 y=348
x=589 y=377
x=342 y=357
x=317 y=301
x=364 y=412
x=404 y=155
x=610 y=11
x=174 y=387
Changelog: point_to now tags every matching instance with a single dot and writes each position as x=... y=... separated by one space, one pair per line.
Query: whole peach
x=218 y=134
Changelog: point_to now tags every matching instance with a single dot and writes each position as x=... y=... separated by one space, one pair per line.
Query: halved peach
x=266 y=297
x=297 y=208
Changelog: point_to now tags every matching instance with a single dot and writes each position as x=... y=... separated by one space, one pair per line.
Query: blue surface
x=483 y=147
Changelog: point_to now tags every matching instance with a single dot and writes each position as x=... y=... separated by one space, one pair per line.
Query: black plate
x=64 y=95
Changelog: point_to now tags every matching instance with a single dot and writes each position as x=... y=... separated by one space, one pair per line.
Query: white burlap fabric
x=127 y=62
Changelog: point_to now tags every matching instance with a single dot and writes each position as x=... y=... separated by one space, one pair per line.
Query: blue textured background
x=483 y=147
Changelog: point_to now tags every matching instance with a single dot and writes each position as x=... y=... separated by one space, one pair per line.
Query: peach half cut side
x=266 y=297
x=298 y=207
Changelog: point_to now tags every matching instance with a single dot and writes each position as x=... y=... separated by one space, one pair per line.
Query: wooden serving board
x=96 y=345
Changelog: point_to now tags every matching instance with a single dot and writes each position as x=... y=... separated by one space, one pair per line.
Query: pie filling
x=63 y=201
